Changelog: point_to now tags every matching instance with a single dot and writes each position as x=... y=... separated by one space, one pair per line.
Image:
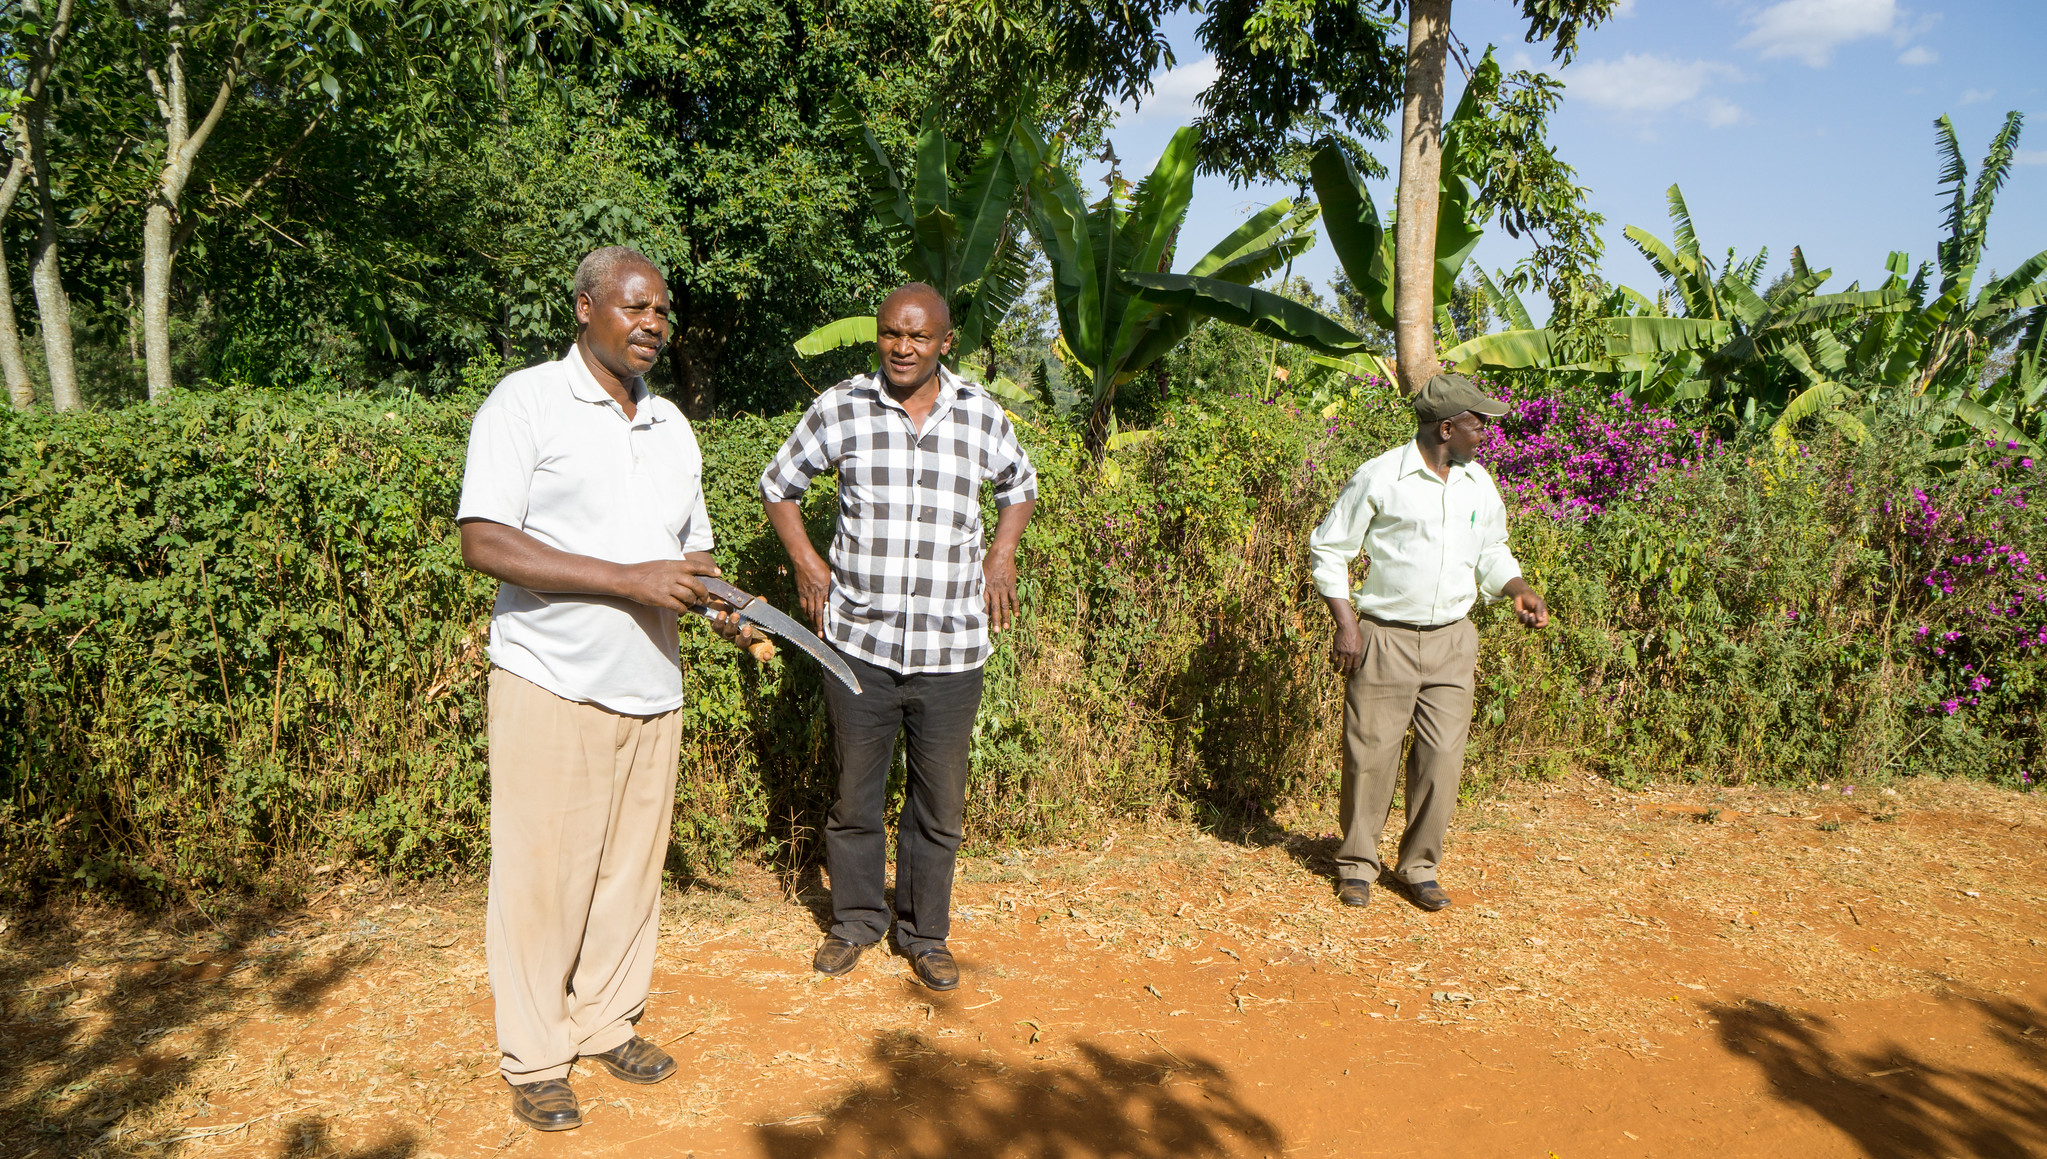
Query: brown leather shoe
x=1427 y=895
x=1354 y=891
x=636 y=1061
x=935 y=968
x=836 y=956
x=548 y=1105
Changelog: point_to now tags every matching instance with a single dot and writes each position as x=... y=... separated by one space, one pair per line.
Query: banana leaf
x=1260 y=311
x=856 y=331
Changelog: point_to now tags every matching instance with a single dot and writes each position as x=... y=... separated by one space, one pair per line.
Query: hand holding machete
x=759 y=613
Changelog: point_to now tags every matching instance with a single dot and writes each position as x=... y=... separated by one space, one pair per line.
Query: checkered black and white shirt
x=906 y=561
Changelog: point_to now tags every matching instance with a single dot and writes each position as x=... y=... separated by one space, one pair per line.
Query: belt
x=1409 y=627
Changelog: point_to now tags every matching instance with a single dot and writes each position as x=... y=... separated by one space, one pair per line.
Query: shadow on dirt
x=934 y=1102
x=104 y=1018
x=806 y=887
x=1893 y=1101
x=310 y=1139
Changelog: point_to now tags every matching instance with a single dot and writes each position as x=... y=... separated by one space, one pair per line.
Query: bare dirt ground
x=1681 y=971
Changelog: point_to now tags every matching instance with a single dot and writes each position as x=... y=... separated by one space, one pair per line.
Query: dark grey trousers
x=935 y=713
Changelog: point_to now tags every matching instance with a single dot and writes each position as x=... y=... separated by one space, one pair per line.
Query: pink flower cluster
x=1983 y=583
x=1572 y=459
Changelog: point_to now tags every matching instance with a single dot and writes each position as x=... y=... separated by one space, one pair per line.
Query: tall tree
x=308 y=56
x=44 y=35
x=1421 y=175
x=1292 y=74
x=1421 y=159
x=21 y=390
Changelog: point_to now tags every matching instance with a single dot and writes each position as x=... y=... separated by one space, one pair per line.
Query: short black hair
x=602 y=266
x=919 y=289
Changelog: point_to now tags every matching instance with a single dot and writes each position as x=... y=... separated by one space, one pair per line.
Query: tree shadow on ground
x=939 y=1103
x=105 y=1017
x=805 y=886
x=310 y=1139
x=1893 y=1101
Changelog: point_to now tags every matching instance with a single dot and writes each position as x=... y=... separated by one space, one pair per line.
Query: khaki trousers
x=580 y=804
x=1406 y=677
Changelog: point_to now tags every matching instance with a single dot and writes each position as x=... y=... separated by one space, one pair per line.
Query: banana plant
x=1364 y=246
x=956 y=224
x=1933 y=355
x=1108 y=332
x=1755 y=359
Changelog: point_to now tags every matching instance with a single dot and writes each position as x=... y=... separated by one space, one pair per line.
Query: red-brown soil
x=1685 y=971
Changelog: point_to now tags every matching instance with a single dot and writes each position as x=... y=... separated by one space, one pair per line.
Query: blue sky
x=1798 y=122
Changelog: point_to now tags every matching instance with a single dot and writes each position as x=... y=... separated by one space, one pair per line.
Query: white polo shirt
x=553 y=455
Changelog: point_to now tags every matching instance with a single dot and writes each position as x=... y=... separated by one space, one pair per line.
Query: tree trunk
x=159 y=226
x=53 y=305
x=21 y=390
x=694 y=350
x=156 y=295
x=1421 y=174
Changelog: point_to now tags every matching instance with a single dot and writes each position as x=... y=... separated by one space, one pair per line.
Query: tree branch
x=156 y=89
x=17 y=172
x=186 y=230
x=197 y=140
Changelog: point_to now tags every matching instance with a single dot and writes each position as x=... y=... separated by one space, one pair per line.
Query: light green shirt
x=1435 y=544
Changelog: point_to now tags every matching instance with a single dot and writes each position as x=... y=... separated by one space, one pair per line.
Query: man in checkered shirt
x=909 y=601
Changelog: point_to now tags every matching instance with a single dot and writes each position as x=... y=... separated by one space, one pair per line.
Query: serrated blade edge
x=778 y=622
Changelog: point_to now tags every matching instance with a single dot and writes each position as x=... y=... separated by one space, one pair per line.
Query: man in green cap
x=1431 y=521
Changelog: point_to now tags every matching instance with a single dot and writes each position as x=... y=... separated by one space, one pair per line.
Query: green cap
x=1448 y=395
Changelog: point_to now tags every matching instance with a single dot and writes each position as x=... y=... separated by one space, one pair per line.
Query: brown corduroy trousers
x=580 y=804
x=1407 y=677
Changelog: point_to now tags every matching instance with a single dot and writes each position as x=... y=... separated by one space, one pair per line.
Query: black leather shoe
x=935 y=968
x=1354 y=891
x=636 y=1061
x=1427 y=895
x=836 y=956
x=548 y=1105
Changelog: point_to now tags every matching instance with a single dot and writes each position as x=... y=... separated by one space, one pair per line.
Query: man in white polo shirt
x=1431 y=521
x=583 y=495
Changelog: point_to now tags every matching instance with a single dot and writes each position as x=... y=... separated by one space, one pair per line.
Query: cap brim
x=1489 y=407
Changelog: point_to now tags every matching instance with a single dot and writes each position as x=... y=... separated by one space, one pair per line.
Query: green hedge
x=237 y=636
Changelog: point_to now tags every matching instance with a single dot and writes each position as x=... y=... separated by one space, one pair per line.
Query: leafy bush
x=238 y=635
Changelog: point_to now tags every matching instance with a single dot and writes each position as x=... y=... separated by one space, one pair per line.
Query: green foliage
x=1290 y=75
x=1111 y=333
x=1363 y=245
x=1965 y=368
x=954 y=225
x=239 y=636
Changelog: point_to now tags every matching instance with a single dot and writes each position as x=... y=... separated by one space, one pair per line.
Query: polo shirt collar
x=584 y=386
x=1411 y=461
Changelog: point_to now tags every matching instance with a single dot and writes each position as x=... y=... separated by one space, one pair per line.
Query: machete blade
x=775 y=621
x=755 y=611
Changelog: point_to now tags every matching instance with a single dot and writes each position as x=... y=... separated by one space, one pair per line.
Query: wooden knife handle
x=761 y=650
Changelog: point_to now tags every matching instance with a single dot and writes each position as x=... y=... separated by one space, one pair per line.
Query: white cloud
x=1918 y=54
x=1810 y=30
x=2030 y=157
x=1638 y=85
x=1975 y=96
x=1721 y=112
x=1172 y=94
x=1624 y=8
